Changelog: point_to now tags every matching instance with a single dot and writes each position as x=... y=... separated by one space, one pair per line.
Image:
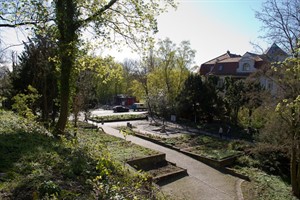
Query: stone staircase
x=161 y=170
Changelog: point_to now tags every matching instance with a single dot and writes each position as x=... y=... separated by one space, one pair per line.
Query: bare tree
x=281 y=20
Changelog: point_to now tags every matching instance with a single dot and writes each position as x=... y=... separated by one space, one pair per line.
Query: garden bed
x=115 y=118
x=212 y=151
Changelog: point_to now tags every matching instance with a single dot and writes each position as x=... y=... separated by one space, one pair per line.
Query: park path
x=203 y=182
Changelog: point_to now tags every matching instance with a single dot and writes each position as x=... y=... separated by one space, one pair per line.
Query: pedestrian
x=228 y=131
x=221 y=131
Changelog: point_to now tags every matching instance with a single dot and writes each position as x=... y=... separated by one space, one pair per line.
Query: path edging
x=212 y=163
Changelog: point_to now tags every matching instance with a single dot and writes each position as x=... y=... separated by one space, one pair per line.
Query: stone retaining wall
x=220 y=165
x=148 y=162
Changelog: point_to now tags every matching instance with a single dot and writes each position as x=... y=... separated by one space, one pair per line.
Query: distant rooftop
x=222 y=57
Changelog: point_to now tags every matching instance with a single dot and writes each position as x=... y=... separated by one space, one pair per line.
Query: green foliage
x=99 y=80
x=271 y=159
x=233 y=97
x=25 y=103
x=36 y=166
x=247 y=161
x=199 y=98
x=210 y=152
x=240 y=145
x=114 y=183
x=159 y=77
x=49 y=189
x=264 y=186
x=259 y=117
x=37 y=67
x=272 y=132
x=119 y=117
x=203 y=145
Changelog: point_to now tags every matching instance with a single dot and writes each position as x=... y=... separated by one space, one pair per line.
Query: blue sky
x=212 y=27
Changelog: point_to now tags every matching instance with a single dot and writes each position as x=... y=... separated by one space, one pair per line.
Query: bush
x=247 y=161
x=272 y=159
x=49 y=189
x=240 y=145
x=258 y=118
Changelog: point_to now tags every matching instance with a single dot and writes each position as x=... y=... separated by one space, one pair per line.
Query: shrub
x=247 y=161
x=24 y=103
x=49 y=189
x=272 y=159
x=239 y=145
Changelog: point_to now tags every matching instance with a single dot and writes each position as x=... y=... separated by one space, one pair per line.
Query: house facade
x=241 y=66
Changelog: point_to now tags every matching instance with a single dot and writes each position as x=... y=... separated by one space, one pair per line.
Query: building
x=240 y=67
x=124 y=100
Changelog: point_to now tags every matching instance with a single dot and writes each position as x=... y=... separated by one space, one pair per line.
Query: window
x=220 y=67
x=246 y=67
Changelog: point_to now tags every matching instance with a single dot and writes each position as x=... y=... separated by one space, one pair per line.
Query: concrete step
x=159 y=168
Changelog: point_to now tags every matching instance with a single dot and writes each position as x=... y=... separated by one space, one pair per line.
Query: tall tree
x=36 y=69
x=289 y=110
x=253 y=96
x=281 y=20
x=161 y=74
x=131 y=20
x=198 y=97
x=234 y=100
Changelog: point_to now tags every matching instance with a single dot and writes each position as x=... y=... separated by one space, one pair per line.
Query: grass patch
x=203 y=145
x=118 y=149
x=35 y=165
x=216 y=154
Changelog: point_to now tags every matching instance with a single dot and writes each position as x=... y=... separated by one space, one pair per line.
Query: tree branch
x=96 y=14
x=7 y=25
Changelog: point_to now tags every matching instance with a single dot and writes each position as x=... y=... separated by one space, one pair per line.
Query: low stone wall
x=156 y=162
x=148 y=162
x=220 y=165
x=140 y=135
x=234 y=173
x=212 y=162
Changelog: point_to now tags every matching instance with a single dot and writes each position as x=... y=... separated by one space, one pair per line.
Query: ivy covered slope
x=35 y=165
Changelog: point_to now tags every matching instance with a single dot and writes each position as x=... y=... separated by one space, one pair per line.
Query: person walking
x=221 y=131
x=228 y=131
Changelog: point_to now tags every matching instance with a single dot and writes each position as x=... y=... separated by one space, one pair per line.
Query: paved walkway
x=203 y=182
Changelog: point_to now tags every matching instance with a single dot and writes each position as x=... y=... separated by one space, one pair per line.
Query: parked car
x=120 y=109
x=139 y=107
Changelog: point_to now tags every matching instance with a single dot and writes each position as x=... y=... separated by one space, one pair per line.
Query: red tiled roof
x=222 y=57
x=224 y=64
x=228 y=63
x=230 y=60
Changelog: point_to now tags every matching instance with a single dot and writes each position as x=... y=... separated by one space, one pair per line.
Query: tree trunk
x=295 y=170
x=67 y=27
x=64 y=95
